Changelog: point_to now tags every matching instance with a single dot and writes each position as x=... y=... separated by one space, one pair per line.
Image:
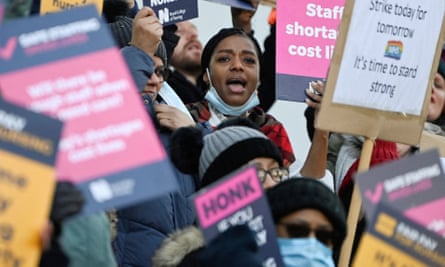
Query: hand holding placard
x=147 y=31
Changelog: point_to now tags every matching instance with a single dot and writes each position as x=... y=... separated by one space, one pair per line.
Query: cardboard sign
x=243 y=4
x=414 y=185
x=65 y=64
x=47 y=6
x=239 y=199
x=28 y=147
x=272 y=3
x=306 y=36
x=380 y=76
x=170 y=12
x=392 y=240
x=430 y=141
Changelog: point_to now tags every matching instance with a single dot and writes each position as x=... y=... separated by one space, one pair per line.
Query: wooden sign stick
x=355 y=206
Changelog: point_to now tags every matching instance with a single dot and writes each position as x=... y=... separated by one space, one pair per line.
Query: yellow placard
x=48 y=6
x=26 y=192
x=374 y=252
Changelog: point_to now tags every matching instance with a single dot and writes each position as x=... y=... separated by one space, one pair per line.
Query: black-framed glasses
x=162 y=72
x=277 y=174
x=298 y=230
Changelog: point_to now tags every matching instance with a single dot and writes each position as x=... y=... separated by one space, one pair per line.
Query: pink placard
x=106 y=124
x=429 y=215
x=306 y=36
x=228 y=197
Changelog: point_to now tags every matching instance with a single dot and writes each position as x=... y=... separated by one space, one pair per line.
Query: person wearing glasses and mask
x=310 y=222
x=232 y=145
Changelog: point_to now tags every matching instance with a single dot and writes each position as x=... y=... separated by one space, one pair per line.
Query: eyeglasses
x=278 y=174
x=162 y=72
x=295 y=230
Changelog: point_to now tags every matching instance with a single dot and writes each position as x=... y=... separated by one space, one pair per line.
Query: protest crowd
x=209 y=104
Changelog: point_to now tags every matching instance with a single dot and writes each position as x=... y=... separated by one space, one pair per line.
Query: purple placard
x=414 y=185
x=415 y=245
x=170 y=12
x=239 y=199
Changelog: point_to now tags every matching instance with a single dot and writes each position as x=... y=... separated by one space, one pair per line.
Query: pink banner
x=106 y=123
x=228 y=197
x=306 y=36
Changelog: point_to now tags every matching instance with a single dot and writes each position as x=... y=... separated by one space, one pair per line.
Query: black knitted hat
x=306 y=193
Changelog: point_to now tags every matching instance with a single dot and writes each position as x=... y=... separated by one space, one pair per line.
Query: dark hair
x=216 y=39
x=441 y=67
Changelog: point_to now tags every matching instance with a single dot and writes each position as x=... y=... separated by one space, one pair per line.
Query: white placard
x=388 y=54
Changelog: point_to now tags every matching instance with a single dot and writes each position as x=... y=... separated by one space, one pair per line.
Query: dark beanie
x=305 y=193
x=121 y=29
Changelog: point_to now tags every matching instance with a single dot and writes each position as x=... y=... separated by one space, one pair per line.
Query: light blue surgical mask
x=218 y=103
x=305 y=252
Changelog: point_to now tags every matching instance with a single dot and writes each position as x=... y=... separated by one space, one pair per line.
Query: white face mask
x=305 y=252
x=218 y=103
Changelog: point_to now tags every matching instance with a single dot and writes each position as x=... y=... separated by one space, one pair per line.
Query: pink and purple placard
x=415 y=186
x=66 y=65
x=238 y=199
x=306 y=33
x=399 y=241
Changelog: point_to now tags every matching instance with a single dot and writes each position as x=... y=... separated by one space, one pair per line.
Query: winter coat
x=141 y=228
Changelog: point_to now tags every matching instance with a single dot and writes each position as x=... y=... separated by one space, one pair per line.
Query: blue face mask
x=305 y=252
x=216 y=101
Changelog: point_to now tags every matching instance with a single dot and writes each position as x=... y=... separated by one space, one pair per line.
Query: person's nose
x=191 y=35
x=154 y=79
x=237 y=63
x=268 y=183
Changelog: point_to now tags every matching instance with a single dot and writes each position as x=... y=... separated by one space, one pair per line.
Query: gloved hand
x=67 y=201
x=170 y=39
